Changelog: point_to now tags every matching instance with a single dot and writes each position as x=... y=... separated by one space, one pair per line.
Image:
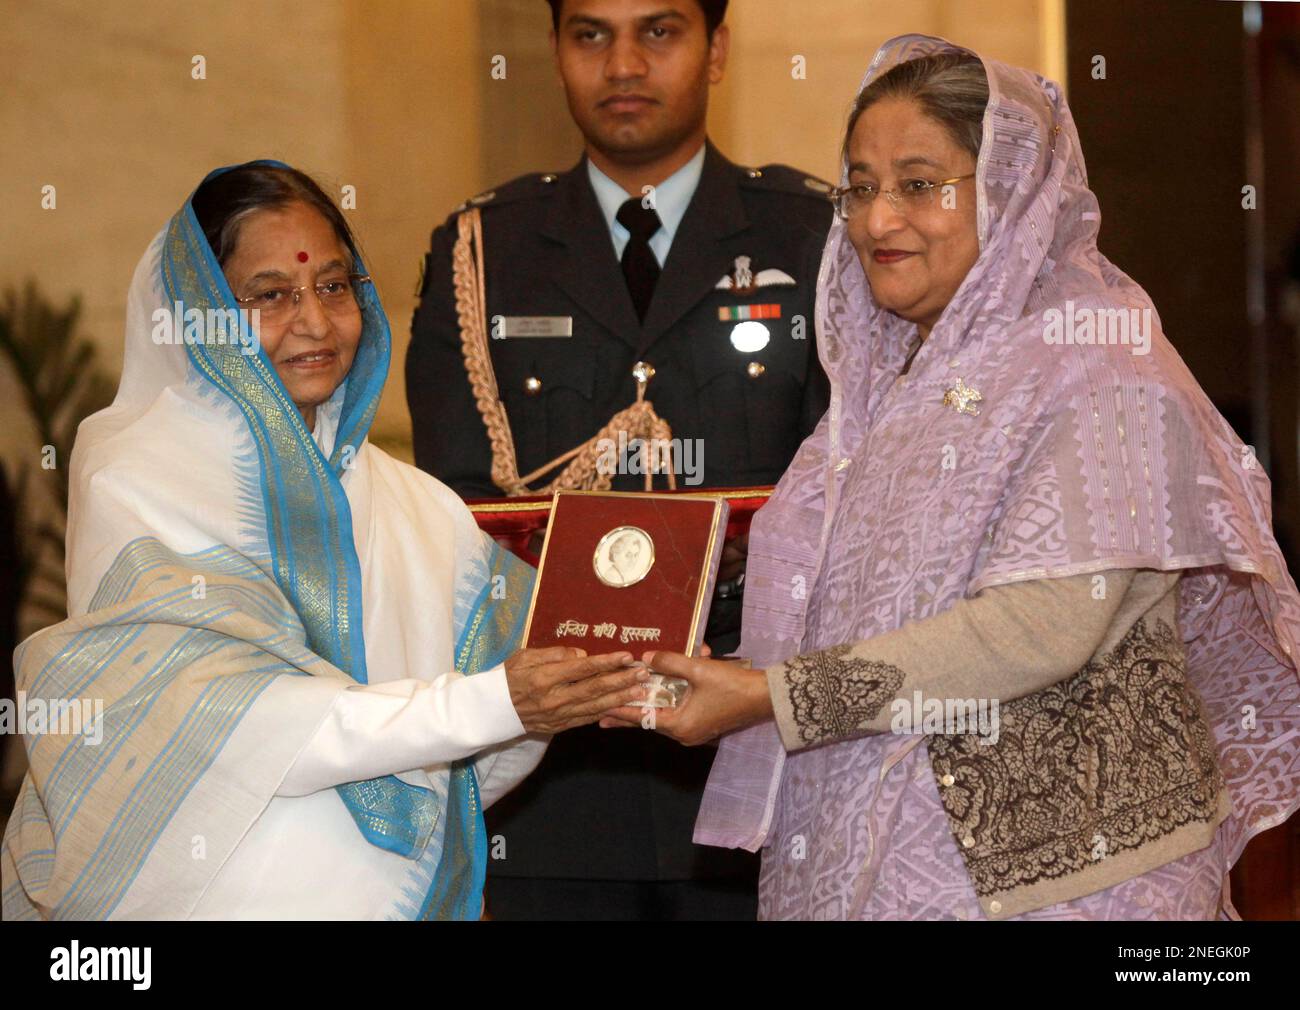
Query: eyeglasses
x=911 y=195
x=337 y=296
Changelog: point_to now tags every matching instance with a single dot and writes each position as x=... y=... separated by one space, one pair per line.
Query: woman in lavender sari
x=1022 y=639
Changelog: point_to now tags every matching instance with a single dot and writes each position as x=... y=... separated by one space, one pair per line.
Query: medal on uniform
x=749 y=335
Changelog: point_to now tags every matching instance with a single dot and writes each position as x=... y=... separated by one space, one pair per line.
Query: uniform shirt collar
x=672 y=197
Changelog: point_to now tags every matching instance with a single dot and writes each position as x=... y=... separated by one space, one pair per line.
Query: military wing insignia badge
x=743 y=281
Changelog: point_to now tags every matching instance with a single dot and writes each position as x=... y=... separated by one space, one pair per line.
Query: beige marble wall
x=99 y=102
x=395 y=97
x=762 y=112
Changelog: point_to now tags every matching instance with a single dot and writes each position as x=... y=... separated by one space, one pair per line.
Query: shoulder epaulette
x=784 y=179
x=525 y=186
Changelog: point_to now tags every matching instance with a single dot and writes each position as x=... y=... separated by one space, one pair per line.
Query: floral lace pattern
x=833 y=695
x=1111 y=759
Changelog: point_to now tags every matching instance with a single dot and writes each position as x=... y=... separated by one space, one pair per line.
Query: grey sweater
x=1068 y=748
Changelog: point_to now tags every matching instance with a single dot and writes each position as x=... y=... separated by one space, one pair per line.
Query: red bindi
x=302 y=257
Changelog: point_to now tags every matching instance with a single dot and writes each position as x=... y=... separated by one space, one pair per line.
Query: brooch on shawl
x=961 y=396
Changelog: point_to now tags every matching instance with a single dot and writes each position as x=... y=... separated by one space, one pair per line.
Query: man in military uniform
x=655 y=275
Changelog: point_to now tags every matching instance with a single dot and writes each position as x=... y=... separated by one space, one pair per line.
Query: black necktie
x=640 y=268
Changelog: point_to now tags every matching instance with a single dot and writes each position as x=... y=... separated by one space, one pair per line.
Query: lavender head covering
x=1082 y=458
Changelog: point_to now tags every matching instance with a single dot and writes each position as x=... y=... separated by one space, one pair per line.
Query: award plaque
x=630 y=572
x=517 y=523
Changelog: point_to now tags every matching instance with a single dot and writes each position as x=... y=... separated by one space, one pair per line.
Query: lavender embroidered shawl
x=1082 y=458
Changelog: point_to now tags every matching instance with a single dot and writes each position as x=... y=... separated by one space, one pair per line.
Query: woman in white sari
x=274 y=622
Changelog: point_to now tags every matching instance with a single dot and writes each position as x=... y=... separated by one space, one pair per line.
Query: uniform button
x=968 y=841
x=754 y=173
x=755 y=369
x=549 y=177
x=995 y=907
x=532 y=385
x=947 y=780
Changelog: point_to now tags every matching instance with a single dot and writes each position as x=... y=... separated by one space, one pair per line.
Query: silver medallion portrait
x=624 y=556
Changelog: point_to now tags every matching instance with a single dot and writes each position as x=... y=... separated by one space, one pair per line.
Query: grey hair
x=951 y=88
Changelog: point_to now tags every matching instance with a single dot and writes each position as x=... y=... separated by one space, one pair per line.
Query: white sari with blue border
x=279 y=627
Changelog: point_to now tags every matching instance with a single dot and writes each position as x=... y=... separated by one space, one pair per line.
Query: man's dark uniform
x=618 y=806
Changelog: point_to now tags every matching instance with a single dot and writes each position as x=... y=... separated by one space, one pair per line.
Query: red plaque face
x=628 y=572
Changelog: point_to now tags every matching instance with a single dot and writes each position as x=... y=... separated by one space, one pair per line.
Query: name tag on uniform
x=504 y=327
